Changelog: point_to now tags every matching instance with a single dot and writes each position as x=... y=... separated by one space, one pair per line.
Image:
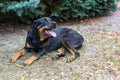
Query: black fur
x=68 y=36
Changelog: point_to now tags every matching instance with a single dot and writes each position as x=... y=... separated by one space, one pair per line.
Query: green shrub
x=27 y=10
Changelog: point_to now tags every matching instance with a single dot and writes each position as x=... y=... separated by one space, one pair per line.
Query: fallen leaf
x=24 y=76
x=20 y=66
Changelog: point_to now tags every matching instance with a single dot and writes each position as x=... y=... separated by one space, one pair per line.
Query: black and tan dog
x=43 y=37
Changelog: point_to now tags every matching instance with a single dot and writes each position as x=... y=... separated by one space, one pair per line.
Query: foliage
x=27 y=10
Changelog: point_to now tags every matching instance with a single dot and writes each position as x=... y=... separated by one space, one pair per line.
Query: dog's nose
x=54 y=24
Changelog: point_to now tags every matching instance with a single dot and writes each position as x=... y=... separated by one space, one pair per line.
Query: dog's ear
x=35 y=23
x=33 y=35
x=33 y=29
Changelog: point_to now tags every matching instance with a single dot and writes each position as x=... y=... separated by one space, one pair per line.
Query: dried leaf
x=24 y=76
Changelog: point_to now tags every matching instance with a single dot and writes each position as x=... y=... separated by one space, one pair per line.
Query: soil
x=99 y=60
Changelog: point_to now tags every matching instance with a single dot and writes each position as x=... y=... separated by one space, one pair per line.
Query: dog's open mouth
x=50 y=33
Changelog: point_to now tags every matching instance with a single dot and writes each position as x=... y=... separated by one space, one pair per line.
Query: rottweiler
x=43 y=36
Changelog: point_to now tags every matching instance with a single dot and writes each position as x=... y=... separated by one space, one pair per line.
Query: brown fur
x=17 y=55
x=30 y=60
x=42 y=36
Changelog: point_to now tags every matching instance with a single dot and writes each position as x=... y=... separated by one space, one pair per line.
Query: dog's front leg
x=35 y=57
x=18 y=55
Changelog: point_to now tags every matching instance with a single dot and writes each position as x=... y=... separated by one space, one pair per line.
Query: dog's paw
x=70 y=59
x=13 y=59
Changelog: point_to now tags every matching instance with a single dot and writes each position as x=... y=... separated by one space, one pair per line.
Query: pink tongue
x=52 y=33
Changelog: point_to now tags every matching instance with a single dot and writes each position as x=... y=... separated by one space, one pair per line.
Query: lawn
x=99 y=60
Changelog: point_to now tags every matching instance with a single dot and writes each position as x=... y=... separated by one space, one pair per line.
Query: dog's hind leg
x=60 y=53
x=70 y=48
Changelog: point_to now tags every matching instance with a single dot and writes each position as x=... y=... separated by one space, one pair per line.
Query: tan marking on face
x=42 y=36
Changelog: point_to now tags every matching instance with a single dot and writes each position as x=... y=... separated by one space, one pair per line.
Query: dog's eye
x=48 y=19
x=45 y=19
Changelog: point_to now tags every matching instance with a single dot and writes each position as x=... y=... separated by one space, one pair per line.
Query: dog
x=43 y=37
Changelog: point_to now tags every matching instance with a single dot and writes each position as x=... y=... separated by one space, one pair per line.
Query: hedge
x=27 y=10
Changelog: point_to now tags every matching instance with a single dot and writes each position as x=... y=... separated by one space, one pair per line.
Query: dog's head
x=44 y=26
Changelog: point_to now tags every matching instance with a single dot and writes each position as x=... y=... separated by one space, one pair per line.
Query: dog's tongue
x=51 y=33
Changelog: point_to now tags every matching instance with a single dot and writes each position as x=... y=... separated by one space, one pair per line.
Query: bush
x=27 y=10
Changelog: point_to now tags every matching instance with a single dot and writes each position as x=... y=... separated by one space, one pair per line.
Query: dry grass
x=99 y=60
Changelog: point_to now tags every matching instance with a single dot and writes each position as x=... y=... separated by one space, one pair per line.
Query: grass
x=98 y=57
x=99 y=60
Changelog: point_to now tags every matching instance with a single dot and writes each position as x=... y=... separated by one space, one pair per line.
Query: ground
x=99 y=60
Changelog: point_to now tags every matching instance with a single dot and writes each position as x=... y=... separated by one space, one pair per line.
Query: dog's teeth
x=46 y=31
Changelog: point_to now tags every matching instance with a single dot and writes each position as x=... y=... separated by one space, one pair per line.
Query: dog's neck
x=43 y=43
x=42 y=37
